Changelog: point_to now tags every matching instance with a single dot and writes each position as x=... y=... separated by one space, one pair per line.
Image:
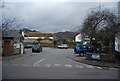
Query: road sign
x=96 y=56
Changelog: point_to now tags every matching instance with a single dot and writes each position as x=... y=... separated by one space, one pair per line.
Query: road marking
x=25 y=65
x=38 y=62
x=57 y=65
x=47 y=65
x=68 y=59
x=36 y=65
x=74 y=61
x=89 y=66
x=15 y=64
x=114 y=68
x=99 y=67
x=15 y=59
x=68 y=66
x=79 y=66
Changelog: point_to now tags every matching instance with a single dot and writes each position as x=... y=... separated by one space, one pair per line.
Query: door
x=6 y=48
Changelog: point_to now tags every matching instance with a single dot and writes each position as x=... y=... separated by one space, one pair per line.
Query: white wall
x=78 y=38
x=36 y=37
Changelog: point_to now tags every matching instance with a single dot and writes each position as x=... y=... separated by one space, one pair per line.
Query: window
x=84 y=47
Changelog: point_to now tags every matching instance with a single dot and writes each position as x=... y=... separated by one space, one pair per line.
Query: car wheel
x=79 y=54
x=74 y=49
x=84 y=53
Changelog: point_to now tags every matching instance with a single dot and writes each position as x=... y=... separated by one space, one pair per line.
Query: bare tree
x=102 y=25
x=10 y=24
x=99 y=19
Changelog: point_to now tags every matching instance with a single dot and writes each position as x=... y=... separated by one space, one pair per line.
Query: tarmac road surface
x=53 y=63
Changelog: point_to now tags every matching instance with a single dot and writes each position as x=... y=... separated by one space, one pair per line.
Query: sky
x=51 y=17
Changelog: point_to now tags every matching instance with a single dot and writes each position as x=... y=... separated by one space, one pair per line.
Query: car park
x=37 y=48
x=83 y=48
x=63 y=46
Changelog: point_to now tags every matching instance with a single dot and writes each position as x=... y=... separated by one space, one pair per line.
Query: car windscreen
x=36 y=46
x=63 y=45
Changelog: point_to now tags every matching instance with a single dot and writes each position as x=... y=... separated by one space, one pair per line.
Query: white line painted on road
x=99 y=67
x=57 y=65
x=47 y=65
x=68 y=59
x=74 y=61
x=89 y=66
x=36 y=65
x=79 y=66
x=15 y=64
x=39 y=61
x=25 y=65
x=68 y=66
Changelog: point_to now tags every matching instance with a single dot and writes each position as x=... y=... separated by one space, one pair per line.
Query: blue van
x=83 y=48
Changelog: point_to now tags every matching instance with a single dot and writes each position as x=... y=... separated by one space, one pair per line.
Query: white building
x=32 y=37
x=78 y=38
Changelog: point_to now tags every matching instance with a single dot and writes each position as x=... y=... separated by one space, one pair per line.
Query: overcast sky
x=52 y=16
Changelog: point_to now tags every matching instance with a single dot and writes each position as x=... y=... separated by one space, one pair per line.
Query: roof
x=67 y=35
x=10 y=33
x=39 y=35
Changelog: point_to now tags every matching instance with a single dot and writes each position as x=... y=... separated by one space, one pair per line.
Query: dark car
x=83 y=48
x=36 y=48
x=28 y=46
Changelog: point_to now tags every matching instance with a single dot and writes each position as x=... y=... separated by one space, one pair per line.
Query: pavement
x=26 y=54
x=101 y=64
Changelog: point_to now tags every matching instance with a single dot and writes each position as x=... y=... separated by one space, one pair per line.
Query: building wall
x=78 y=38
x=16 y=48
x=117 y=42
x=33 y=39
x=37 y=37
x=7 y=47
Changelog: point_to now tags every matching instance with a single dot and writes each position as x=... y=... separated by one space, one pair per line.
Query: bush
x=71 y=42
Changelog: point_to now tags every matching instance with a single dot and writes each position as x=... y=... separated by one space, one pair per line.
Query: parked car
x=63 y=46
x=37 y=48
x=28 y=46
x=83 y=48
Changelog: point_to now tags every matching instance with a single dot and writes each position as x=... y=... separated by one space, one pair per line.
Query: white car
x=64 y=46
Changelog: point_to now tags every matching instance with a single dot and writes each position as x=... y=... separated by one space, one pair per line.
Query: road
x=53 y=63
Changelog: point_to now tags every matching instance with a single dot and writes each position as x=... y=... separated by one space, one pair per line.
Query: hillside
x=65 y=35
